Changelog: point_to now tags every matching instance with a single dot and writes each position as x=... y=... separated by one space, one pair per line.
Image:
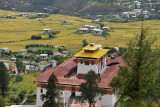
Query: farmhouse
x=106 y=28
x=22 y=51
x=97 y=32
x=91 y=28
x=91 y=57
x=46 y=31
x=4 y=49
x=43 y=56
x=83 y=30
x=13 y=59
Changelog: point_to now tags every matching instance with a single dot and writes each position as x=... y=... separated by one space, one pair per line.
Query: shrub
x=36 y=37
x=19 y=78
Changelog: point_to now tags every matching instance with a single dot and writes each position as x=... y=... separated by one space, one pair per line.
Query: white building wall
x=83 y=69
x=66 y=95
x=106 y=101
x=39 y=102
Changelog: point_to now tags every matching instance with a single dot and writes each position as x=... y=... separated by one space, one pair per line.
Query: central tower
x=91 y=57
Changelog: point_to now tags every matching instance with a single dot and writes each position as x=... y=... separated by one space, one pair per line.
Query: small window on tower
x=86 y=62
x=81 y=61
x=92 y=62
x=41 y=90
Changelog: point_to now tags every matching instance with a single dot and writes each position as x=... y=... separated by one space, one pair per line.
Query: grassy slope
x=26 y=84
x=23 y=28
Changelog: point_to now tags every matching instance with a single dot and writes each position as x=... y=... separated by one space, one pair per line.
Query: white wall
x=83 y=69
x=66 y=95
x=39 y=102
x=107 y=100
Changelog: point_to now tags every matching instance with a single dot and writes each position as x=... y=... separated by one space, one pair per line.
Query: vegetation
x=36 y=37
x=138 y=81
x=4 y=80
x=19 y=78
x=2 y=102
x=119 y=36
x=85 y=43
x=20 y=66
x=27 y=86
x=90 y=90
x=52 y=93
x=59 y=59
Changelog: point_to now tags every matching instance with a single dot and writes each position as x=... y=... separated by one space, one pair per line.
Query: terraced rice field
x=21 y=29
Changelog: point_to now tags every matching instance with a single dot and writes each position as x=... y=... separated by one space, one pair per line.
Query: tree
x=11 y=66
x=135 y=80
x=90 y=90
x=4 y=80
x=85 y=43
x=101 y=25
x=20 y=66
x=37 y=59
x=2 y=102
x=52 y=92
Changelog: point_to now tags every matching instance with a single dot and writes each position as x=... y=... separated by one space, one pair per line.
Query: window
x=81 y=61
x=41 y=90
x=92 y=62
x=86 y=62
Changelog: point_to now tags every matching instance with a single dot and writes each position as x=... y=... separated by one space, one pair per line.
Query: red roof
x=64 y=68
x=60 y=70
x=70 y=81
x=57 y=54
x=110 y=72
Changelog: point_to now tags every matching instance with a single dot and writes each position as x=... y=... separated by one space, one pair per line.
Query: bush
x=19 y=78
x=36 y=37
x=22 y=94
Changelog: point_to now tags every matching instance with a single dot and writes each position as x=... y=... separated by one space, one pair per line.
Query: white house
x=43 y=56
x=91 y=57
x=91 y=28
x=4 y=49
x=97 y=32
x=46 y=31
x=22 y=51
x=106 y=28
x=83 y=30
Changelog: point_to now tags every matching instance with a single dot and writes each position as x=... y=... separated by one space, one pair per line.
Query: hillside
x=16 y=33
x=78 y=6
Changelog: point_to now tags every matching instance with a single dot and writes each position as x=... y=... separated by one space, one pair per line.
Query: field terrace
x=21 y=29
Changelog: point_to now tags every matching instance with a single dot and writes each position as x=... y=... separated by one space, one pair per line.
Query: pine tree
x=90 y=90
x=135 y=80
x=52 y=93
x=4 y=80
x=2 y=102
x=85 y=43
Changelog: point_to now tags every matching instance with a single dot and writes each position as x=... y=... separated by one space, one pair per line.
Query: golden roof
x=97 y=52
x=90 y=47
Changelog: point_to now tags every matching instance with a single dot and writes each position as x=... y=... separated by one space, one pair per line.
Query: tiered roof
x=92 y=51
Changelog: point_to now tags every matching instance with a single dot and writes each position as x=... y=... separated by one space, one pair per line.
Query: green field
x=22 y=28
